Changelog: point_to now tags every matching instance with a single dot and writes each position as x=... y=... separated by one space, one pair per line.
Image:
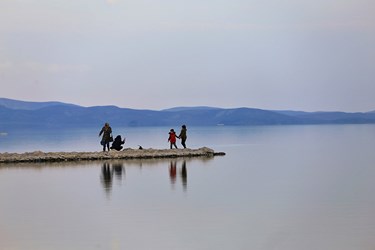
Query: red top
x=172 y=137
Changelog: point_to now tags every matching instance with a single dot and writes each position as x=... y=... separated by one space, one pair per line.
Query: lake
x=277 y=187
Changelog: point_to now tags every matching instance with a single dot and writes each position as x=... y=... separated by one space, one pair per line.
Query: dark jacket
x=117 y=143
x=182 y=134
x=106 y=131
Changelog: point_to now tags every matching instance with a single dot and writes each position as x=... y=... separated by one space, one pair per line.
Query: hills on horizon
x=19 y=114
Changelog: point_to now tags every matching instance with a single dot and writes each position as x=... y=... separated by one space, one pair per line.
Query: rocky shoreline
x=39 y=156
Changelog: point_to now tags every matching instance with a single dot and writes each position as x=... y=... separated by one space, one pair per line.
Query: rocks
x=39 y=156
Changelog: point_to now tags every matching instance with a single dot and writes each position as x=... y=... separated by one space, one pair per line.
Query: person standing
x=106 y=139
x=183 y=136
x=172 y=138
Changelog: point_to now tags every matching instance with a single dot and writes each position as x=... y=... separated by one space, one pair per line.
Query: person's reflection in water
x=184 y=175
x=106 y=177
x=173 y=172
x=119 y=170
x=108 y=171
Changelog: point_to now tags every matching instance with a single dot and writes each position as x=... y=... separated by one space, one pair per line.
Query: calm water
x=281 y=187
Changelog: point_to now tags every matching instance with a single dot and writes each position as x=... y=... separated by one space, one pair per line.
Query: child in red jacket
x=172 y=138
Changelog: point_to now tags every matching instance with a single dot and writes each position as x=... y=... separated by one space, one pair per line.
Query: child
x=172 y=138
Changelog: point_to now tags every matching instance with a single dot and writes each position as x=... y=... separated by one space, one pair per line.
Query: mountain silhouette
x=57 y=114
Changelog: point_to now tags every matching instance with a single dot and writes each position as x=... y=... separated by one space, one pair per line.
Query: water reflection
x=173 y=174
x=118 y=170
x=108 y=171
x=106 y=177
x=184 y=175
x=112 y=172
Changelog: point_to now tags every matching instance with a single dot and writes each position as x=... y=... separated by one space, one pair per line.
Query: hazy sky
x=156 y=54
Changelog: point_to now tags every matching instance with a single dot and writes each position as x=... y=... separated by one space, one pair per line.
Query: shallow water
x=282 y=187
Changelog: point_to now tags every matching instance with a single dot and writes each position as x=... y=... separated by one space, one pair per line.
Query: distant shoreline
x=46 y=115
x=39 y=156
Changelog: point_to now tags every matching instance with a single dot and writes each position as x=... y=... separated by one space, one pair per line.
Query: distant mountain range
x=21 y=114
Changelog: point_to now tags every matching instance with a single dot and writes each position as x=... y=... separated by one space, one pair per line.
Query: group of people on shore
x=172 y=137
x=117 y=143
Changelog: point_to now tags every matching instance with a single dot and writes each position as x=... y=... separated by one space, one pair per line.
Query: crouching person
x=117 y=143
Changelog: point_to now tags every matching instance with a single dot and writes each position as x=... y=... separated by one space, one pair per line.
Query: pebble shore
x=39 y=156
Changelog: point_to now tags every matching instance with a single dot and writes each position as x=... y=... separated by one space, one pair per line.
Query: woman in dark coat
x=106 y=139
x=183 y=136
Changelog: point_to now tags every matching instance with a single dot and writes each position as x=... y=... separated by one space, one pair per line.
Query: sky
x=156 y=54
